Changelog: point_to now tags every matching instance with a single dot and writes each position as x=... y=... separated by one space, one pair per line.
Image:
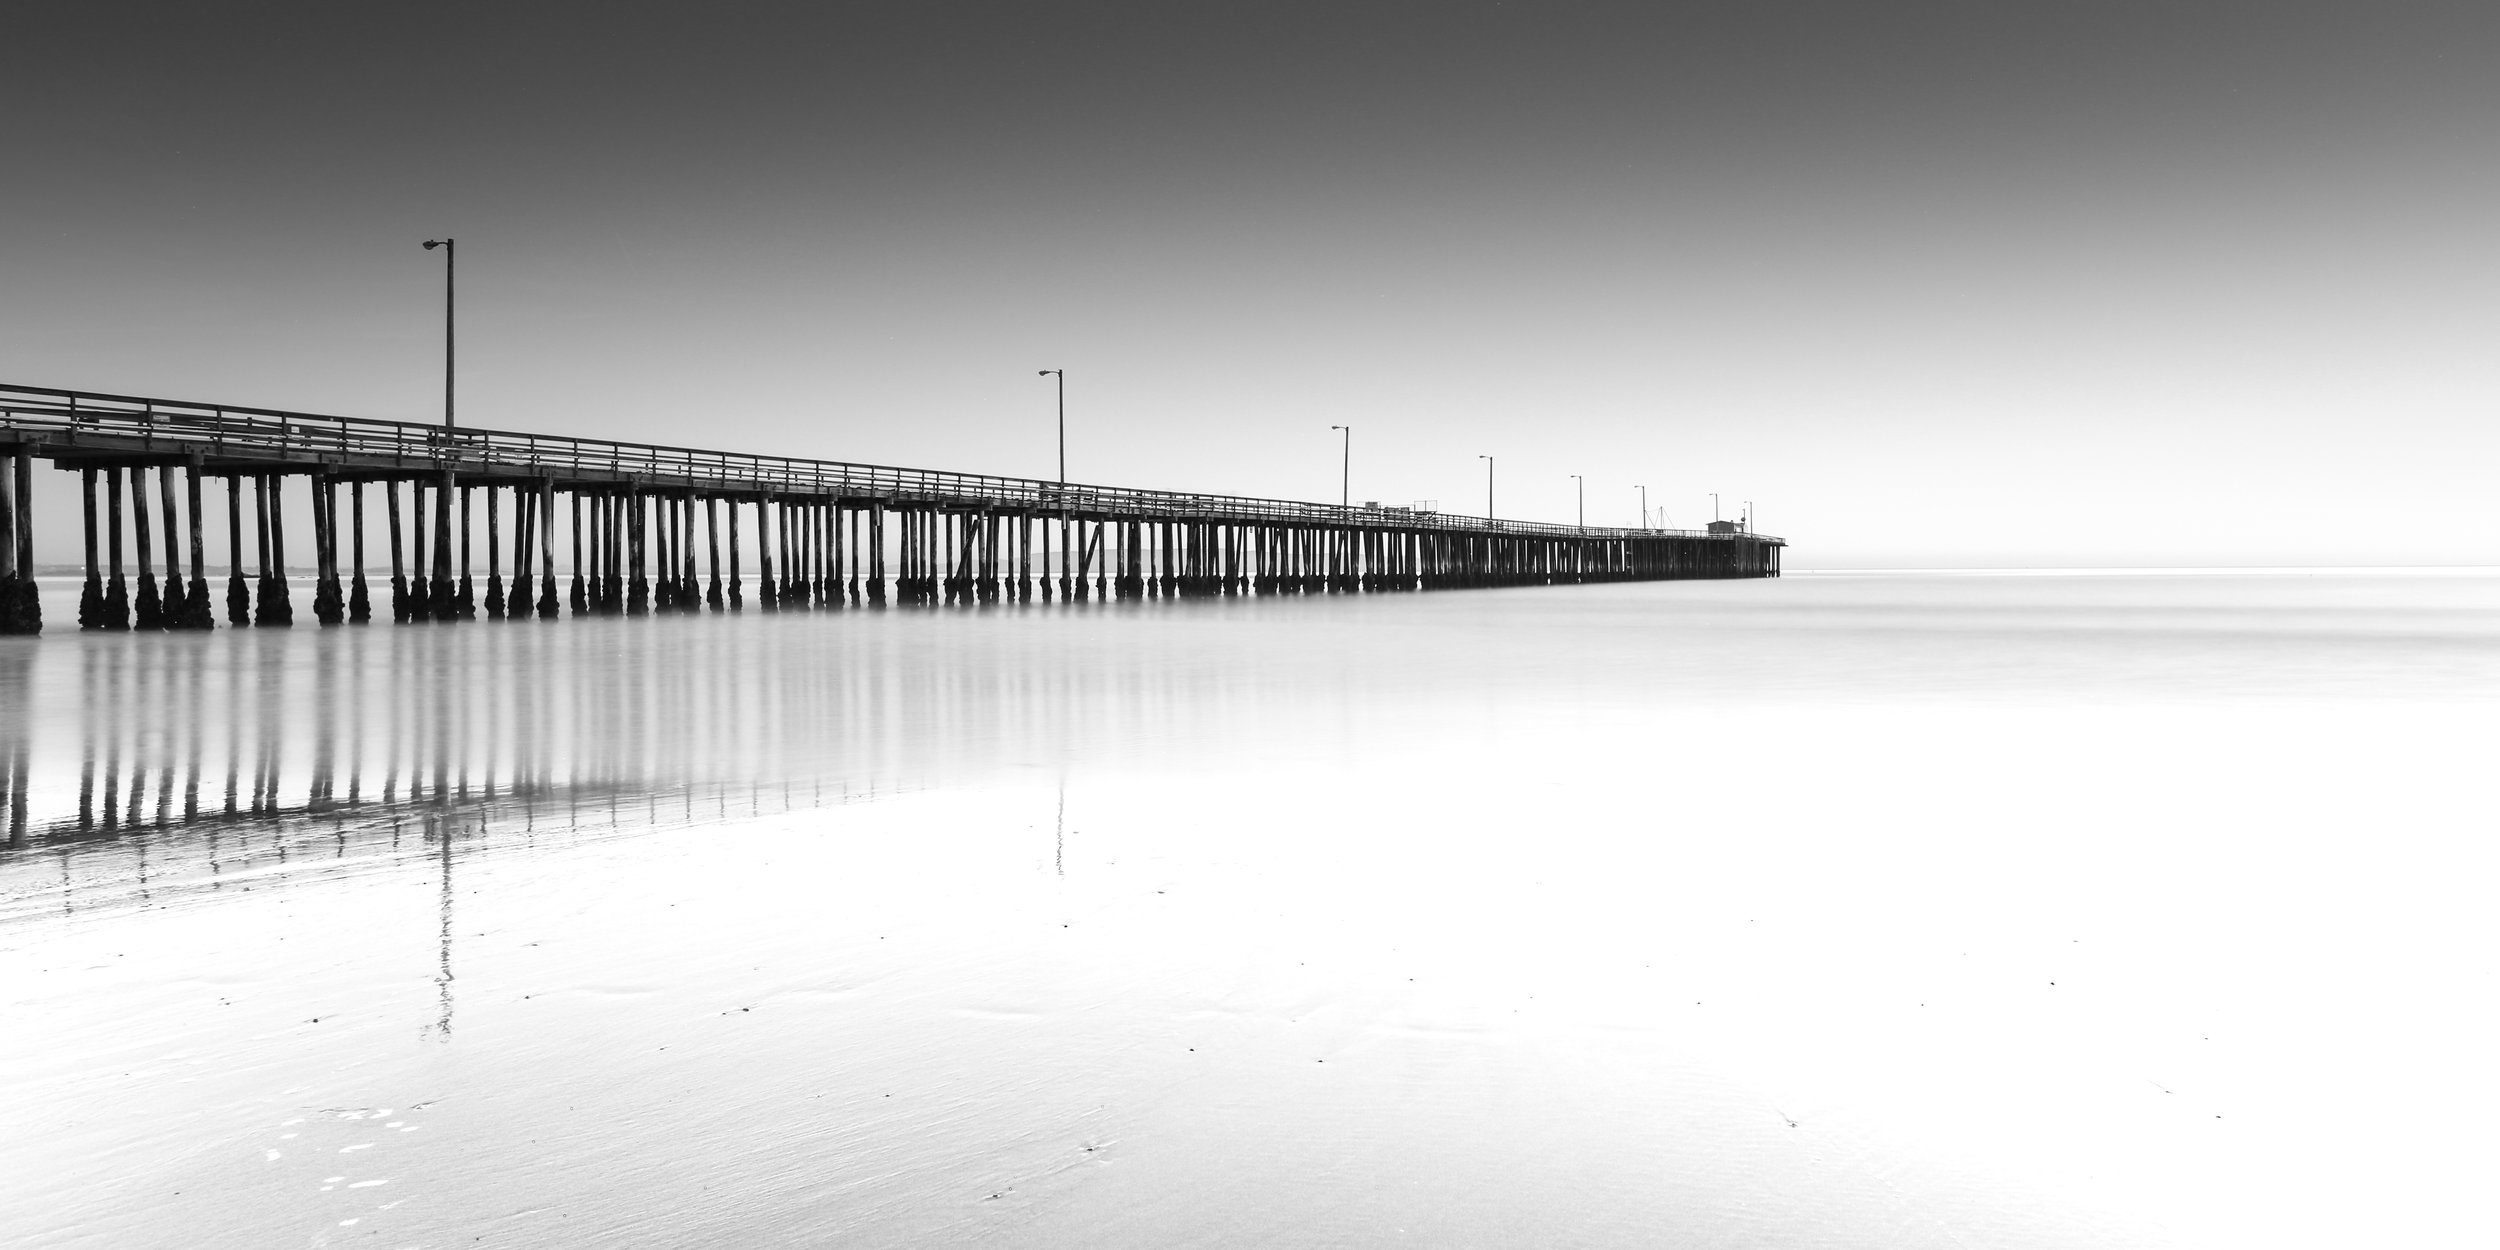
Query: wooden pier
x=646 y=528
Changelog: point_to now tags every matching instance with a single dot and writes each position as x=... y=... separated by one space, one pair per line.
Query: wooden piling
x=329 y=606
x=737 y=584
x=711 y=533
x=637 y=537
x=194 y=612
x=14 y=571
x=517 y=603
x=846 y=556
x=663 y=554
x=465 y=606
x=175 y=600
x=616 y=507
x=581 y=591
x=116 y=591
x=359 y=598
x=399 y=569
x=613 y=515
x=333 y=540
x=766 y=593
x=785 y=587
x=148 y=609
x=442 y=594
x=494 y=553
x=673 y=554
x=876 y=555
x=689 y=580
x=238 y=598
x=546 y=549
x=828 y=590
x=264 y=600
x=601 y=541
x=429 y=597
x=836 y=526
x=808 y=578
x=280 y=592
x=29 y=607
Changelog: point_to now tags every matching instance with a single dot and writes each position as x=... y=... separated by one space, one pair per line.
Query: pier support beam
x=465 y=606
x=581 y=591
x=711 y=529
x=637 y=539
x=400 y=612
x=876 y=555
x=91 y=594
x=421 y=578
x=442 y=597
x=238 y=597
x=737 y=592
x=546 y=513
x=20 y=611
x=148 y=610
x=176 y=601
x=689 y=579
x=196 y=612
x=524 y=511
x=494 y=553
x=276 y=607
x=359 y=598
x=767 y=596
x=329 y=604
x=116 y=591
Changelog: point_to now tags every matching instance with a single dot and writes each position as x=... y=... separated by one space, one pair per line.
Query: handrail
x=233 y=430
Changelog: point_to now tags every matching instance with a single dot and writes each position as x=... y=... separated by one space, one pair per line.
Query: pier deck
x=840 y=534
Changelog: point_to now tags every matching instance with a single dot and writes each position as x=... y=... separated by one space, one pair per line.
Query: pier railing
x=235 y=436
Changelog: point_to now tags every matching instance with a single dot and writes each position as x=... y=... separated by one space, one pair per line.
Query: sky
x=1933 y=285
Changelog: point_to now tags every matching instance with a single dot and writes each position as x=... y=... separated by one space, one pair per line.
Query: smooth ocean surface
x=2008 y=910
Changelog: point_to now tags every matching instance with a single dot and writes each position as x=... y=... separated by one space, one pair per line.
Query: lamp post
x=1345 y=497
x=442 y=601
x=1583 y=485
x=1062 y=375
x=1644 y=505
x=1714 y=505
x=1488 y=486
x=449 y=264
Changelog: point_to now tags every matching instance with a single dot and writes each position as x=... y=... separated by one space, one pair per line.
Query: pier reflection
x=141 y=767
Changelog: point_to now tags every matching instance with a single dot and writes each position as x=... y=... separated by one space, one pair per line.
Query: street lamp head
x=431 y=244
x=1046 y=373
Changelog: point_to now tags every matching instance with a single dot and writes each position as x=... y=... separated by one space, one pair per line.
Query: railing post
x=21 y=612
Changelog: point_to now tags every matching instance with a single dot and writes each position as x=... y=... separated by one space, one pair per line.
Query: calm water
x=1886 y=910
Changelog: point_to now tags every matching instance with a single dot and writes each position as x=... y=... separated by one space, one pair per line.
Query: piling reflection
x=137 y=766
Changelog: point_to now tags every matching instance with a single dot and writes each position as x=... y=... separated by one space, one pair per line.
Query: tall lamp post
x=1583 y=486
x=442 y=600
x=1644 y=505
x=450 y=262
x=1488 y=486
x=1062 y=375
x=1714 y=505
x=1345 y=497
